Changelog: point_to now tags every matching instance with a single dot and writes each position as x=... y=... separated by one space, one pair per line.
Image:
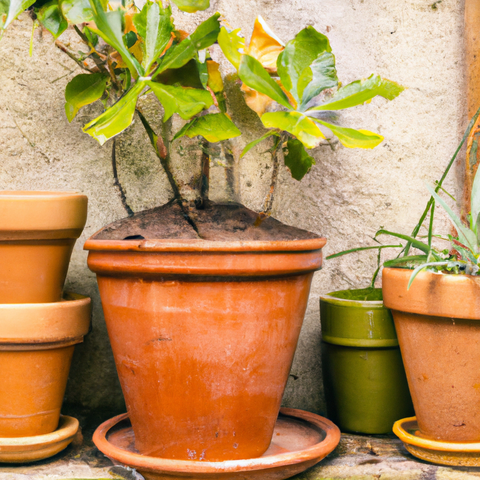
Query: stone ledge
x=356 y=457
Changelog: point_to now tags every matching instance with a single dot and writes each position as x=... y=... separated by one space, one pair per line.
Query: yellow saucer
x=32 y=449
x=436 y=451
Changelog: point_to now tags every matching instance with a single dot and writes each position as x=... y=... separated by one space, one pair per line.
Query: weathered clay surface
x=346 y=197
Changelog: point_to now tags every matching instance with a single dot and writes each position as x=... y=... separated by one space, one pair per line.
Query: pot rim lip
x=39 y=195
x=330 y=298
x=321 y=449
x=431 y=444
x=448 y=277
x=198 y=245
x=76 y=301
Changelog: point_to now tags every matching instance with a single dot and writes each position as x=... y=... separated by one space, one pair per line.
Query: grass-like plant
x=462 y=255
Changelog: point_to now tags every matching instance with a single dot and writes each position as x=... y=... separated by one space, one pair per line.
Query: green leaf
x=231 y=43
x=187 y=102
x=192 y=6
x=200 y=59
x=83 y=90
x=406 y=262
x=361 y=249
x=52 y=19
x=10 y=10
x=321 y=75
x=414 y=241
x=465 y=235
x=77 y=11
x=154 y=25
x=117 y=118
x=90 y=36
x=130 y=39
x=351 y=138
x=422 y=267
x=252 y=74
x=361 y=91
x=109 y=27
x=295 y=123
x=249 y=146
x=214 y=127
x=203 y=37
x=295 y=61
x=475 y=201
x=297 y=159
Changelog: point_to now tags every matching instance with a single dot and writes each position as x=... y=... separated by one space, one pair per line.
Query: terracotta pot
x=37 y=234
x=365 y=384
x=203 y=335
x=438 y=328
x=36 y=348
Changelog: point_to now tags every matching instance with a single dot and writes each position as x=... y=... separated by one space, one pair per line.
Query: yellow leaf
x=257 y=101
x=215 y=81
x=264 y=45
x=292 y=101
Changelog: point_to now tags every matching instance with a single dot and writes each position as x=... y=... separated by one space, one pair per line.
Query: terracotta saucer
x=39 y=447
x=300 y=440
x=436 y=451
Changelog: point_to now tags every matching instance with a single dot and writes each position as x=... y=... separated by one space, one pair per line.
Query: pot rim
x=348 y=302
x=198 y=245
x=45 y=323
x=432 y=294
x=142 y=462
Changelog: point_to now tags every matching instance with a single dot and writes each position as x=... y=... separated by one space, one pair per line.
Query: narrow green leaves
x=203 y=37
x=83 y=90
x=252 y=74
x=361 y=91
x=187 y=102
x=475 y=203
x=117 y=118
x=154 y=25
x=76 y=11
x=249 y=146
x=110 y=28
x=232 y=45
x=414 y=241
x=465 y=235
x=214 y=127
x=192 y=6
x=295 y=123
x=297 y=159
x=351 y=138
x=10 y=10
x=361 y=249
x=299 y=54
x=51 y=17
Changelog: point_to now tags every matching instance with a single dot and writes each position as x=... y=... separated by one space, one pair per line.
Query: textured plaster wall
x=346 y=197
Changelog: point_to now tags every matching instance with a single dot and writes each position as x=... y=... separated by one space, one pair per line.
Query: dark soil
x=214 y=223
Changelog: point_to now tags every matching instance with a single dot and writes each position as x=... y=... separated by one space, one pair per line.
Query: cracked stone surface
x=356 y=457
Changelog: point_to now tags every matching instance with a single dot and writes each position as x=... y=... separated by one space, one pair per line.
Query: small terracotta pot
x=37 y=234
x=438 y=328
x=203 y=335
x=36 y=348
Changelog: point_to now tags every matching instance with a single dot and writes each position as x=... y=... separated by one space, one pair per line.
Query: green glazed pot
x=365 y=384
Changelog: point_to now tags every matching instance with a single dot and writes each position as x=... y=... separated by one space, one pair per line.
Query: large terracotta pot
x=203 y=335
x=37 y=234
x=438 y=328
x=36 y=348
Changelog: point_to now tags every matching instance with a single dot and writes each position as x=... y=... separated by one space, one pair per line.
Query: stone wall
x=346 y=197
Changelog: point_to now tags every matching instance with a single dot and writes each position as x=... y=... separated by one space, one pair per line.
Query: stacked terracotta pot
x=39 y=326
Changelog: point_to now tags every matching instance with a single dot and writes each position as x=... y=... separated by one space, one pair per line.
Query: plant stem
x=64 y=49
x=117 y=183
x=268 y=205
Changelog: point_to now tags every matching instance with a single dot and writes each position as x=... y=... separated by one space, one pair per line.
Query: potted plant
x=435 y=301
x=203 y=302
